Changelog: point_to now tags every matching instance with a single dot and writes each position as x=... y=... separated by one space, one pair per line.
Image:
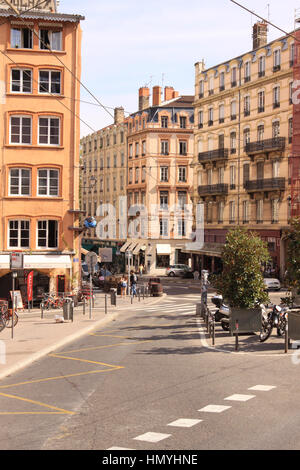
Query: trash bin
x=113 y=296
x=68 y=309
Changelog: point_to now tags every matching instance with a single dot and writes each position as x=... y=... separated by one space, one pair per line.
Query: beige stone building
x=103 y=184
x=243 y=134
x=160 y=151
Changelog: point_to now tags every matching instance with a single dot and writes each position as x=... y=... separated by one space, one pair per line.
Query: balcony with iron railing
x=213 y=155
x=268 y=184
x=213 y=189
x=265 y=146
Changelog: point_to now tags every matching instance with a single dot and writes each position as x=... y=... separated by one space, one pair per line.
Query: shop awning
x=47 y=261
x=208 y=249
x=137 y=249
x=163 y=249
x=125 y=246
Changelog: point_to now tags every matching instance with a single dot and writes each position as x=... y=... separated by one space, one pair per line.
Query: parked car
x=272 y=283
x=178 y=270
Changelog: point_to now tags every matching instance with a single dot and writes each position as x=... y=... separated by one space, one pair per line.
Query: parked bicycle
x=51 y=301
x=6 y=317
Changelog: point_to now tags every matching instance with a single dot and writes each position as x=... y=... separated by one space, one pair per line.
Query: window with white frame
x=164 y=200
x=47 y=234
x=19 y=182
x=221 y=175
x=275 y=129
x=275 y=169
x=247 y=105
x=275 y=210
x=18 y=234
x=182 y=172
x=182 y=199
x=164 y=147
x=210 y=116
x=49 y=130
x=245 y=212
x=220 y=212
x=20 y=130
x=261 y=66
x=143 y=173
x=233 y=109
x=247 y=71
x=50 y=82
x=21 y=38
x=221 y=113
x=276 y=59
x=209 y=176
x=182 y=147
x=51 y=39
x=48 y=182
x=163 y=227
x=222 y=81
x=259 y=210
x=164 y=173
x=233 y=142
x=276 y=96
x=200 y=119
x=137 y=174
x=201 y=88
x=211 y=85
x=232 y=176
x=233 y=76
x=21 y=81
x=261 y=101
x=181 y=231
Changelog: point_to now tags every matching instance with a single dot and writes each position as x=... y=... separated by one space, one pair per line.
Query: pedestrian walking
x=133 y=283
x=123 y=286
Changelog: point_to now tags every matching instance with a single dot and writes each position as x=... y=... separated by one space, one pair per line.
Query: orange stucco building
x=40 y=63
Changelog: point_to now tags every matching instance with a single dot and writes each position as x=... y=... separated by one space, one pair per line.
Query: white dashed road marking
x=118 y=448
x=152 y=437
x=214 y=408
x=185 y=423
x=238 y=397
x=262 y=388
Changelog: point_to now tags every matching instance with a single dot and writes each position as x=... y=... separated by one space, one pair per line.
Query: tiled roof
x=39 y=15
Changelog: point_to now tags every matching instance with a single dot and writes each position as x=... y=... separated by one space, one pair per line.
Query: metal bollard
x=286 y=338
x=139 y=294
x=213 y=331
x=42 y=309
x=237 y=335
x=105 y=304
x=83 y=306
x=144 y=292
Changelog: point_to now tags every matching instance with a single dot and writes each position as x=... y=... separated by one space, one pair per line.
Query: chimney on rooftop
x=260 y=34
x=144 y=98
x=119 y=115
x=156 y=96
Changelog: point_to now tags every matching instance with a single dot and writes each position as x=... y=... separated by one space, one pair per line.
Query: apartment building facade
x=40 y=139
x=103 y=186
x=243 y=136
x=160 y=151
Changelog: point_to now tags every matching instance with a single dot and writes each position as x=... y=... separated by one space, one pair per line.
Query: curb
x=69 y=339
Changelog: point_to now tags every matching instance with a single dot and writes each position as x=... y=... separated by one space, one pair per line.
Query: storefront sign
x=30 y=286
x=16 y=260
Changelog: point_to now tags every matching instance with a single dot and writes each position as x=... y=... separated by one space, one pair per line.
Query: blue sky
x=132 y=43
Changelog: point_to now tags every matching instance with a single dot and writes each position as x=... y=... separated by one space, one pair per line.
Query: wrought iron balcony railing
x=267 y=145
x=268 y=184
x=213 y=155
x=213 y=189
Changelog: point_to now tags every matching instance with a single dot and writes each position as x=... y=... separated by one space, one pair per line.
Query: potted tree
x=241 y=282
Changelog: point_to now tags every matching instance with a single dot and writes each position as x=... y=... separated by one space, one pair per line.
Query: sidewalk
x=35 y=337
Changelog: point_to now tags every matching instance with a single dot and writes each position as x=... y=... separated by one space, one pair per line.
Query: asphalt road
x=149 y=381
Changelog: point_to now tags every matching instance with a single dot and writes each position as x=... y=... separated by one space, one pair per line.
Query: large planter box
x=249 y=320
x=294 y=325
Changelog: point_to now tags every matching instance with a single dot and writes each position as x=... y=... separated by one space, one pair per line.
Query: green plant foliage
x=241 y=282
x=293 y=256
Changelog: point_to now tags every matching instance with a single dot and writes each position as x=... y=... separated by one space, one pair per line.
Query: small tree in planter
x=241 y=283
x=293 y=259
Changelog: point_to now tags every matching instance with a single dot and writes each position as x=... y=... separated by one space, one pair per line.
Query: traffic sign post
x=91 y=260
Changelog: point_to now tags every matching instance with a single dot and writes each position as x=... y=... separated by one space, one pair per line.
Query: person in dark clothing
x=133 y=283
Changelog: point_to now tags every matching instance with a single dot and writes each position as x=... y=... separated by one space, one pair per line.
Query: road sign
x=16 y=260
x=91 y=260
